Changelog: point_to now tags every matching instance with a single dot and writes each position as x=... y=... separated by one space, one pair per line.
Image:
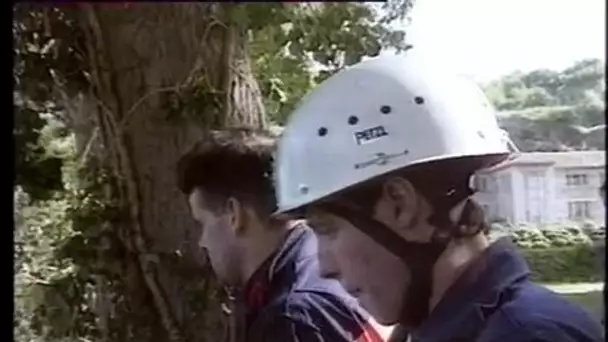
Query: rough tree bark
x=148 y=63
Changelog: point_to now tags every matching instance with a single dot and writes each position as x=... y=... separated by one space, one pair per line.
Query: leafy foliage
x=546 y=110
x=550 y=236
x=46 y=47
x=61 y=244
x=38 y=173
x=294 y=47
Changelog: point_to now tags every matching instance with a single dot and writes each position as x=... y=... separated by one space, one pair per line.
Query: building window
x=576 y=179
x=505 y=183
x=579 y=210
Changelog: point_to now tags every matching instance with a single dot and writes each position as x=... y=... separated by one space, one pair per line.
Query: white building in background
x=545 y=187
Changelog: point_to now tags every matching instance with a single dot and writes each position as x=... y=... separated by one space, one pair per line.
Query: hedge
x=559 y=253
x=580 y=263
x=551 y=236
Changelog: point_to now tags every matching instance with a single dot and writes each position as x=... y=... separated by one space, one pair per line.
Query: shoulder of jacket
x=312 y=305
x=540 y=324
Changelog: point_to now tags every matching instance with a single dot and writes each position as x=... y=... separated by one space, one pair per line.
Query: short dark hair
x=231 y=163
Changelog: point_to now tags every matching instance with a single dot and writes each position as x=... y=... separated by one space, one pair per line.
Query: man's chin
x=225 y=280
x=381 y=317
x=386 y=322
x=229 y=283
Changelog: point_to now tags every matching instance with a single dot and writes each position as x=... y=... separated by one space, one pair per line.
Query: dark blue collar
x=466 y=305
x=278 y=272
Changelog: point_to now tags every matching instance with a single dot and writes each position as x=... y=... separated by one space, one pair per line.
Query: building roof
x=557 y=159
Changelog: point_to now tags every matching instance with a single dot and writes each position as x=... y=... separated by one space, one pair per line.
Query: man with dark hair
x=271 y=263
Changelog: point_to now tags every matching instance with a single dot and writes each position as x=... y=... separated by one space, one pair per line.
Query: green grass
x=587 y=295
x=592 y=301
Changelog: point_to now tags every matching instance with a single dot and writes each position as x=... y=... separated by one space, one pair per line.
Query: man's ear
x=400 y=200
x=235 y=214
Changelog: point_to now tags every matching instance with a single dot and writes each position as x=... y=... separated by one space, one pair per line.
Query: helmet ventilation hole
x=385 y=109
x=352 y=120
x=419 y=100
x=303 y=189
x=322 y=131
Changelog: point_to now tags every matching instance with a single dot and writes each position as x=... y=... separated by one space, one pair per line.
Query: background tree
x=107 y=98
x=547 y=110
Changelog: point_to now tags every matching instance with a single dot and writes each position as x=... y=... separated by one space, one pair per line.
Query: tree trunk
x=161 y=75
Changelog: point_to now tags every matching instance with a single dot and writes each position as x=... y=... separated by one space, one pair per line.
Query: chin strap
x=420 y=257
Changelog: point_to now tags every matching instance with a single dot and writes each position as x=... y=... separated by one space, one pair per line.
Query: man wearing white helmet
x=379 y=159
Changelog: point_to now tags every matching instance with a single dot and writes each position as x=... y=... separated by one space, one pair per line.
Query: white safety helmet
x=379 y=116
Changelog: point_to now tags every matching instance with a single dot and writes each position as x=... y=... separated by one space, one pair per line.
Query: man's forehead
x=198 y=200
x=318 y=214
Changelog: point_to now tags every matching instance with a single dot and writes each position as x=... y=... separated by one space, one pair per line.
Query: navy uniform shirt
x=494 y=300
x=287 y=300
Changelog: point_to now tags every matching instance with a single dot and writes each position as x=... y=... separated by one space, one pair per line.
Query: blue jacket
x=495 y=300
x=287 y=300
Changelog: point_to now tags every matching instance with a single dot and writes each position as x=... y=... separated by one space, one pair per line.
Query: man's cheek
x=352 y=257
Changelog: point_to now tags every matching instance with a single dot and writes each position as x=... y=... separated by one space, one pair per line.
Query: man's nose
x=202 y=239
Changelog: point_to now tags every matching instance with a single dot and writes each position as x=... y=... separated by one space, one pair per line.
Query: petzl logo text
x=370 y=134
